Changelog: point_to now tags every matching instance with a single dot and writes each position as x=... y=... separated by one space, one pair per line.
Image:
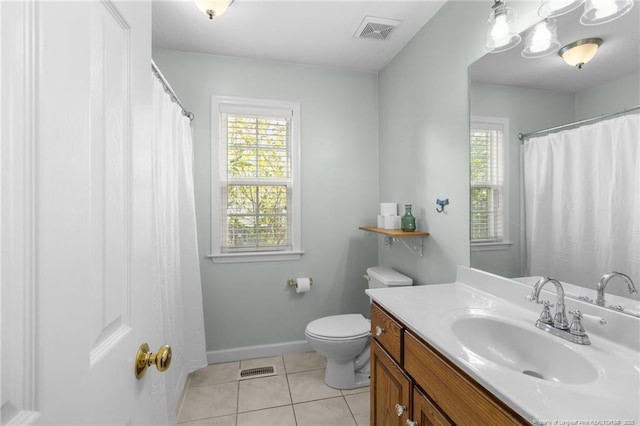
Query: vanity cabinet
x=412 y=384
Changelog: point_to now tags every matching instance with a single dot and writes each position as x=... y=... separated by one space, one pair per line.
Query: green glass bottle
x=408 y=221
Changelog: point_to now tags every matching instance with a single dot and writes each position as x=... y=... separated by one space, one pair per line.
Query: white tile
x=203 y=402
x=304 y=362
x=356 y=390
x=215 y=421
x=215 y=373
x=309 y=386
x=359 y=405
x=279 y=416
x=325 y=412
x=264 y=362
x=266 y=392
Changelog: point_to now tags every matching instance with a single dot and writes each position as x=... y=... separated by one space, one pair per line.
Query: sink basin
x=523 y=350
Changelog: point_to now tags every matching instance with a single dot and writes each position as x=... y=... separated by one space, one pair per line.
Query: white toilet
x=344 y=339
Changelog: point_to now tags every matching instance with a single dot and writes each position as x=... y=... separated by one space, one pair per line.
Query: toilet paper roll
x=397 y=222
x=388 y=209
x=303 y=285
x=380 y=221
x=392 y=222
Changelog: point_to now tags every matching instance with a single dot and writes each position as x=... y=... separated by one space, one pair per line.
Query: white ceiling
x=312 y=32
x=618 y=57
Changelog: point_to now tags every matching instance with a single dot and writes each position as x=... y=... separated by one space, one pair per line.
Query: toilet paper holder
x=291 y=282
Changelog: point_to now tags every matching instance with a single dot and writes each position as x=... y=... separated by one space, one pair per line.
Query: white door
x=77 y=297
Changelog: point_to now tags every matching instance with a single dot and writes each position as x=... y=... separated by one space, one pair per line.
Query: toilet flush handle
x=379 y=330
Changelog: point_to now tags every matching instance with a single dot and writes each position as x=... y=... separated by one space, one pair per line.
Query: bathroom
x=398 y=133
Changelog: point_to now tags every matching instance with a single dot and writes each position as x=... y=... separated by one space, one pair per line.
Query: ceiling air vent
x=378 y=28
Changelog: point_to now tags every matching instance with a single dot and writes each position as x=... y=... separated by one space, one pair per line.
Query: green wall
x=249 y=304
x=608 y=98
x=424 y=135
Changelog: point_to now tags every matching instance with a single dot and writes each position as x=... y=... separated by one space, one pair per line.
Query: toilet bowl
x=344 y=339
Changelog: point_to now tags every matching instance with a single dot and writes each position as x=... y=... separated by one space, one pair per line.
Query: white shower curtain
x=582 y=202
x=177 y=284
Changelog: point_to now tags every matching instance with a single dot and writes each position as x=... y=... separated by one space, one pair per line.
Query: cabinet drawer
x=464 y=401
x=387 y=331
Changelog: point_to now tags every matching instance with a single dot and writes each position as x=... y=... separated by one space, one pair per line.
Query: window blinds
x=487 y=186
x=256 y=177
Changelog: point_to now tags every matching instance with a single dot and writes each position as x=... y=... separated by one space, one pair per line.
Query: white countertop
x=613 y=397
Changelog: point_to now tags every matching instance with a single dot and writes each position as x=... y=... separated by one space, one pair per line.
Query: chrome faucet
x=602 y=284
x=558 y=324
x=560 y=318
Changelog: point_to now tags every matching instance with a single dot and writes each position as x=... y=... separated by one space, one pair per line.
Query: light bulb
x=541 y=39
x=604 y=8
x=500 y=31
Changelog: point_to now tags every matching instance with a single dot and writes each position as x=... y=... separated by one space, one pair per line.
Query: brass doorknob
x=144 y=359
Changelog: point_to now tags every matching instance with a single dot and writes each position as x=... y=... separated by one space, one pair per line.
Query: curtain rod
x=523 y=136
x=169 y=90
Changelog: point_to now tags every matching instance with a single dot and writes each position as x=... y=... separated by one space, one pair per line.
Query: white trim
x=219 y=103
x=271 y=256
x=18 y=230
x=497 y=123
x=501 y=245
x=260 y=351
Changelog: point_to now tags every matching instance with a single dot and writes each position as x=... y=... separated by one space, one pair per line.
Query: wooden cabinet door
x=425 y=412
x=390 y=390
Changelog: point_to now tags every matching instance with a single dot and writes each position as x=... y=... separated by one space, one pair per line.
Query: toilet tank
x=382 y=277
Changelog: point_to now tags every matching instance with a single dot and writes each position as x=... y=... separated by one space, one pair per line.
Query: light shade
x=541 y=40
x=580 y=52
x=598 y=12
x=499 y=36
x=213 y=8
x=555 y=8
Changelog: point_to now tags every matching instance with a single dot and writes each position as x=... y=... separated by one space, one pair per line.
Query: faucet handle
x=576 y=327
x=545 y=315
x=585 y=298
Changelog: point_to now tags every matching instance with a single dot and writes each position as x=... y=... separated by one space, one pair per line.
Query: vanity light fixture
x=213 y=8
x=598 y=12
x=541 y=40
x=555 y=8
x=580 y=52
x=499 y=36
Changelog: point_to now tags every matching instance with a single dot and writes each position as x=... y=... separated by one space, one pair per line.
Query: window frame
x=493 y=123
x=259 y=106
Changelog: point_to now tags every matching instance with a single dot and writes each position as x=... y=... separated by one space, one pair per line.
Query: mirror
x=540 y=93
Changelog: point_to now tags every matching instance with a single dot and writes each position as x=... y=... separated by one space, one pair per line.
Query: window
x=488 y=153
x=255 y=180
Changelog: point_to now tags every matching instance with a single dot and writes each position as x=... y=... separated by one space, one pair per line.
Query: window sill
x=279 y=256
x=502 y=245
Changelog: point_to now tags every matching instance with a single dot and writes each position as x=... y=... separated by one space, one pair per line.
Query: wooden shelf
x=394 y=233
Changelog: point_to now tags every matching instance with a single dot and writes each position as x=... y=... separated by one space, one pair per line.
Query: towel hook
x=441 y=203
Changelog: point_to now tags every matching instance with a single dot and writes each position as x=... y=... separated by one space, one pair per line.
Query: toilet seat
x=339 y=327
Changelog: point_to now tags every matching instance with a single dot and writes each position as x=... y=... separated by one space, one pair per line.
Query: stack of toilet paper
x=388 y=217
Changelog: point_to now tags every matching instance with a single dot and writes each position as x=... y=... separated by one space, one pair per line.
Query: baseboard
x=261 y=351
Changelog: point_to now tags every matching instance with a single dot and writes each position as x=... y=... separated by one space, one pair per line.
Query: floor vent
x=254 y=373
x=376 y=28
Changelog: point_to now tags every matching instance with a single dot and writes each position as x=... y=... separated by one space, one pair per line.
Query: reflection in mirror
x=510 y=94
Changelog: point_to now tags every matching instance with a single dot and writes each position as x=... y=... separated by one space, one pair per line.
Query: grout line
x=350 y=410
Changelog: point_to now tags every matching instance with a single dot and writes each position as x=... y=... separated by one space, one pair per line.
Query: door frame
x=18 y=108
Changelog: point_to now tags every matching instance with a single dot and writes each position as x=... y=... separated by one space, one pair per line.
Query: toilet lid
x=339 y=326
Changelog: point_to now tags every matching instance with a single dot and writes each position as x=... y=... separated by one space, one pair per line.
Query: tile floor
x=296 y=396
